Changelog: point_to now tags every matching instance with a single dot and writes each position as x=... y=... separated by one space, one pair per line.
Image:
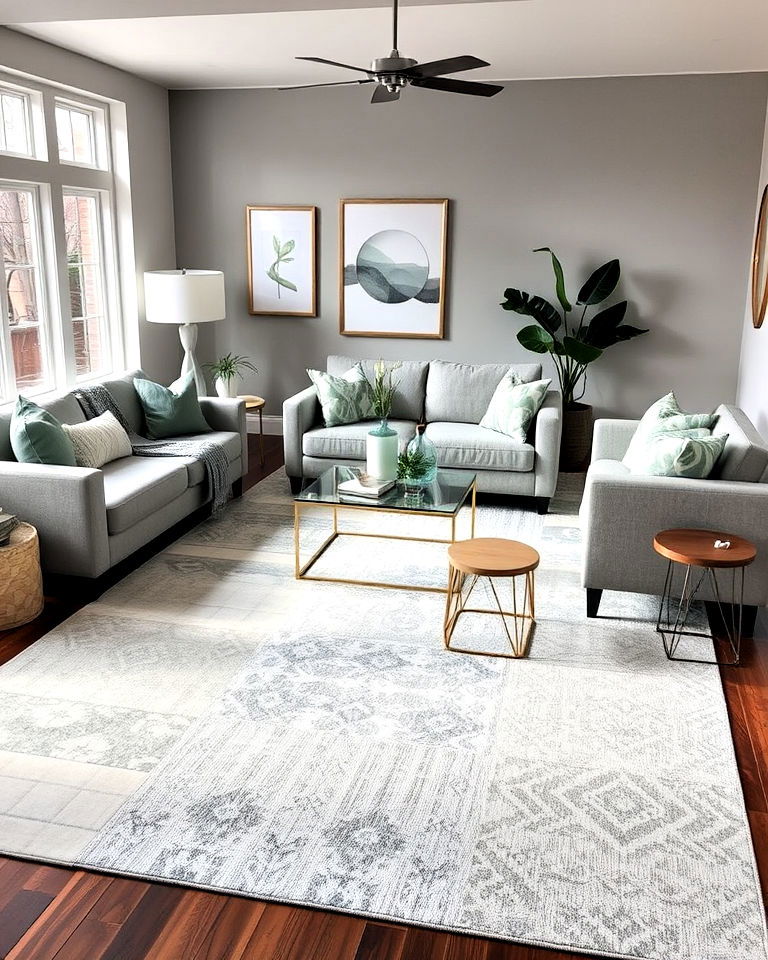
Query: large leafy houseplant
x=575 y=344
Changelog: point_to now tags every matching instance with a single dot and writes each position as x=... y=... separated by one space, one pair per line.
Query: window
x=26 y=364
x=79 y=135
x=87 y=299
x=60 y=318
x=15 y=129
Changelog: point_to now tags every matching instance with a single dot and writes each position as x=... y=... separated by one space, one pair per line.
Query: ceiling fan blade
x=458 y=86
x=338 y=83
x=334 y=63
x=382 y=95
x=436 y=68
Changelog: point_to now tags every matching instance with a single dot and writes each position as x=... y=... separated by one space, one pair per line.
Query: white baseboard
x=273 y=426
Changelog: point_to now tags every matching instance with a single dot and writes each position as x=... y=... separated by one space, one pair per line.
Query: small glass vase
x=381 y=448
x=421 y=444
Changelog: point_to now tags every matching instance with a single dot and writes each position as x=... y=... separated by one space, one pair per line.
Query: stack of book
x=364 y=489
x=7 y=524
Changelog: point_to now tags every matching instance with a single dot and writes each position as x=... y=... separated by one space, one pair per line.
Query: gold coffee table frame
x=301 y=570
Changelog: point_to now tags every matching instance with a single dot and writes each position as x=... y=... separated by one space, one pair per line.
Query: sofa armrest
x=228 y=414
x=611 y=438
x=622 y=512
x=546 y=442
x=300 y=414
x=66 y=505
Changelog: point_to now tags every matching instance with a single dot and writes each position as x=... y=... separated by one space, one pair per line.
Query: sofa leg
x=296 y=484
x=593 y=601
x=237 y=488
x=542 y=505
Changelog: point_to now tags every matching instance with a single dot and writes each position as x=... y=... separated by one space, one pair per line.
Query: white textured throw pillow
x=514 y=405
x=98 y=441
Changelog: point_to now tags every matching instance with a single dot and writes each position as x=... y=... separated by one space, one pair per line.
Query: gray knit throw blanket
x=96 y=400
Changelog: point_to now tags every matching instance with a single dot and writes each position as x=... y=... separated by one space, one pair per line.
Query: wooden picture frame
x=281 y=245
x=760 y=265
x=409 y=237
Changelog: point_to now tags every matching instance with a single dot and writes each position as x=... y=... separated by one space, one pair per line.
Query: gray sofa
x=451 y=398
x=89 y=520
x=621 y=512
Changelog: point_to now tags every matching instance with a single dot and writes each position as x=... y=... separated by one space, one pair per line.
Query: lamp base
x=188 y=337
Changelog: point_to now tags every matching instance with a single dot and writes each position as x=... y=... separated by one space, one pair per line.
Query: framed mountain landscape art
x=392 y=264
x=282 y=278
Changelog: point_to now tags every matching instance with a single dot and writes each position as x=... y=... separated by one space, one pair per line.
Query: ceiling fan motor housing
x=387 y=70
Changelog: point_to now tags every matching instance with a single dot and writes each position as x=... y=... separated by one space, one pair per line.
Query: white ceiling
x=523 y=39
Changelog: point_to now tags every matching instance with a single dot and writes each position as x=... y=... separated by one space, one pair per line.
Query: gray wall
x=659 y=171
x=150 y=162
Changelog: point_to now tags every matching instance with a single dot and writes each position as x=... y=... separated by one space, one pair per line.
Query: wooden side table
x=702 y=553
x=21 y=582
x=253 y=402
x=492 y=558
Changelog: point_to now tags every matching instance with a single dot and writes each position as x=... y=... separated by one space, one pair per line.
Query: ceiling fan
x=393 y=73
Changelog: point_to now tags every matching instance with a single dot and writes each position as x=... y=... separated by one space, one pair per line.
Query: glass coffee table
x=443 y=498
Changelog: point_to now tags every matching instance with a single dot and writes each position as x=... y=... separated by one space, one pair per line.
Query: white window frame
x=97 y=121
x=107 y=181
x=33 y=120
x=41 y=291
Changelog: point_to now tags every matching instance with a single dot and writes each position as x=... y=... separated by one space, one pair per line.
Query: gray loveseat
x=451 y=398
x=88 y=520
x=621 y=512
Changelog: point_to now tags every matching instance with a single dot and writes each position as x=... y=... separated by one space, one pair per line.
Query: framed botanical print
x=392 y=268
x=282 y=268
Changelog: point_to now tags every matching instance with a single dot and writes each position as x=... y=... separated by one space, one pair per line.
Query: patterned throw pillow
x=344 y=399
x=98 y=441
x=665 y=417
x=675 y=456
x=514 y=405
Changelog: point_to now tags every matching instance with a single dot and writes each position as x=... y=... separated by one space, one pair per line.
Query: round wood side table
x=492 y=559
x=702 y=553
x=21 y=582
x=253 y=402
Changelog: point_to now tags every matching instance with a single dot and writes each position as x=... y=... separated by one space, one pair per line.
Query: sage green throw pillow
x=171 y=411
x=665 y=417
x=675 y=456
x=514 y=405
x=345 y=399
x=37 y=436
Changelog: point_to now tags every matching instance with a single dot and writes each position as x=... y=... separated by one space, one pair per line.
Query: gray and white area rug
x=213 y=722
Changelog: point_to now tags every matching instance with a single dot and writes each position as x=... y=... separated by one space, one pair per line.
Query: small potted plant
x=227 y=371
x=381 y=443
x=573 y=345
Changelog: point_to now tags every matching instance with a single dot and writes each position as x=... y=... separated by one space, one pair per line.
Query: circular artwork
x=392 y=266
x=760 y=265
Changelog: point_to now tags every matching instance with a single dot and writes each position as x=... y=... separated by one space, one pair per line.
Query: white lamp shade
x=184 y=296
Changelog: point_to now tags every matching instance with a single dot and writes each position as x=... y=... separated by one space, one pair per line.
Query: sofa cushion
x=171 y=411
x=345 y=399
x=408 y=402
x=196 y=468
x=470 y=447
x=514 y=406
x=125 y=396
x=461 y=392
x=347 y=442
x=135 y=487
x=745 y=456
x=38 y=437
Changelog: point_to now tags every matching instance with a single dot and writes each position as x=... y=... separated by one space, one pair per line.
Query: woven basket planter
x=21 y=582
x=576 y=444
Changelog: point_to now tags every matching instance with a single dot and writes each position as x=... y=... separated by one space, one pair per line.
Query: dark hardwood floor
x=49 y=913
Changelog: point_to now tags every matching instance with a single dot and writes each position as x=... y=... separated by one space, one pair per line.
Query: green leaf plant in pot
x=226 y=371
x=573 y=344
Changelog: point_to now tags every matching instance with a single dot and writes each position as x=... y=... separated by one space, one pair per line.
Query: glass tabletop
x=447 y=492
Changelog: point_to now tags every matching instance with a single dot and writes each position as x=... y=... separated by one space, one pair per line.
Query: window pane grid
x=19 y=224
x=76 y=135
x=82 y=220
x=14 y=124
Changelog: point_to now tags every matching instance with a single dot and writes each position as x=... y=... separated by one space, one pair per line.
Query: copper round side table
x=493 y=559
x=703 y=553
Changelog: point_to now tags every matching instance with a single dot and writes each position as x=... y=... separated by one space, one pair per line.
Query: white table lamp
x=186 y=298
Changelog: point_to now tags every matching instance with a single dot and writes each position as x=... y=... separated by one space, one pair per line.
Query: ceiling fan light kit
x=394 y=73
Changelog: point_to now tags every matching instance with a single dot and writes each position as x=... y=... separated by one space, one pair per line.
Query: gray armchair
x=621 y=512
